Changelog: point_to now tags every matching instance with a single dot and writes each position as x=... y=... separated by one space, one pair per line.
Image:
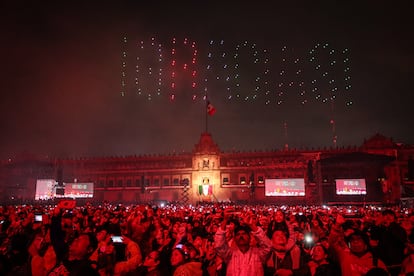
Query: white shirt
x=243 y=264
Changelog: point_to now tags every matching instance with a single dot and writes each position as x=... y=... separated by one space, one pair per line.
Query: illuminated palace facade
x=209 y=175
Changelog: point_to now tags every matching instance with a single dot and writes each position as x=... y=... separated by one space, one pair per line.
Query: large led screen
x=351 y=187
x=45 y=189
x=78 y=190
x=285 y=187
x=49 y=189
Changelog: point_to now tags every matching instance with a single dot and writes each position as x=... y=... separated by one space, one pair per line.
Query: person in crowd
x=232 y=224
x=104 y=257
x=198 y=228
x=182 y=264
x=319 y=264
x=264 y=222
x=243 y=259
x=43 y=257
x=213 y=265
x=61 y=232
x=137 y=225
x=392 y=242
x=17 y=257
x=407 y=265
x=317 y=228
x=285 y=260
x=179 y=232
x=128 y=255
x=277 y=223
x=149 y=236
x=298 y=236
x=373 y=232
x=152 y=265
x=353 y=254
x=72 y=255
x=165 y=245
x=200 y=244
x=77 y=260
x=409 y=222
x=408 y=226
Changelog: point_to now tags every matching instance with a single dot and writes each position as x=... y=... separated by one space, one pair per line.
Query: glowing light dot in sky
x=235 y=71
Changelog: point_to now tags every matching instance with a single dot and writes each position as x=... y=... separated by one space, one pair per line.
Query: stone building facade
x=209 y=175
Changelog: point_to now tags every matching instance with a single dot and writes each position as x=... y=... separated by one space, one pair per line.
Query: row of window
x=243 y=180
x=143 y=182
x=147 y=182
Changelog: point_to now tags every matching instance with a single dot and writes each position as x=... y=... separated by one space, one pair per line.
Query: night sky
x=115 y=79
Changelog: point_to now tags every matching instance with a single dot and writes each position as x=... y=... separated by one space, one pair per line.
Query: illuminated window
x=242 y=180
x=225 y=179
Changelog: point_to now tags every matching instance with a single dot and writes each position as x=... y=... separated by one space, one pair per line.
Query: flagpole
x=205 y=110
x=206 y=114
x=333 y=124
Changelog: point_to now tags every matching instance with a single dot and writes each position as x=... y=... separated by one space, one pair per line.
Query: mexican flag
x=205 y=189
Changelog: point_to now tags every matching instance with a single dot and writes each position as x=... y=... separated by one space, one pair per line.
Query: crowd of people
x=205 y=240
